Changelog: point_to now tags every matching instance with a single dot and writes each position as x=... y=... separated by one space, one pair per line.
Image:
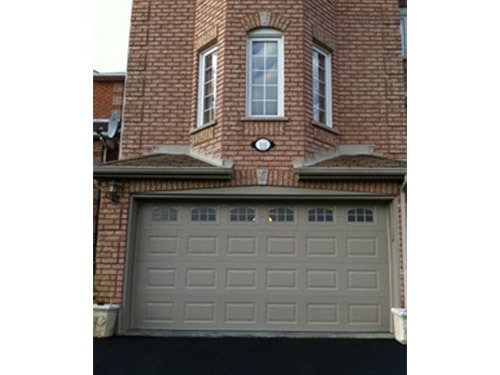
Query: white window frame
x=201 y=85
x=328 y=85
x=265 y=35
x=403 y=33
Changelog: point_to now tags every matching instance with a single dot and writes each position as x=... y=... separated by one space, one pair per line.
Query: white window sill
x=327 y=128
x=203 y=127
x=266 y=119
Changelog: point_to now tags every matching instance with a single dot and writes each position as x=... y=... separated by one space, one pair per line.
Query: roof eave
x=112 y=76
x=198 y=173
x=351 y=173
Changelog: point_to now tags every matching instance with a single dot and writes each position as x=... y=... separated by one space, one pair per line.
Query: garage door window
x=242 y=214
x=281 y=215
x=360 y=215
x=320 y=215
x=164 y=214
x=207 y=214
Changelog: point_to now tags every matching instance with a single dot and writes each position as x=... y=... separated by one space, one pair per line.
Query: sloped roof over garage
x=160 y=160
x=165 y=165
x=350 y=162
x=365 y=161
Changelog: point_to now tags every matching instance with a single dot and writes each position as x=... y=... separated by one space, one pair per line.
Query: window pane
x=321 y=88
x=164 y=214
x=281 y=215
x=208 y=75
x=258 y=48
x=315 y=73
x=208 y=102
x=208 y=61
x=272 y=77
x=258 y=77
x=321 y=60
x=257 y=108
x=315 y=85
x=258 y=63
x=271 y=48
x=316 y=101
x=321 y=102
x=271 y=108
x=321 y=74
x=316 y=114
x=206 y=116
x=321 y=117
x=258 y=92
x=209 y=88
x=272 y=92
x=272 y=63
x=315 y=58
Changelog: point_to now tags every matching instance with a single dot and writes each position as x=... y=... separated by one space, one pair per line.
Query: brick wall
x=367 y=72
x=371 y=82
x=159 y=75
x=107 y=97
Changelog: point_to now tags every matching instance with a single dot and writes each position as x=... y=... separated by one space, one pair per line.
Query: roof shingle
x=360 y=161
x=159 y=160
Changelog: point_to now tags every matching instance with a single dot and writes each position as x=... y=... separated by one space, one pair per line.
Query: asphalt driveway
x=240 y=356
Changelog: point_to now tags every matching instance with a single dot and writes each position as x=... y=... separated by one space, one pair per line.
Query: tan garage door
x=270 y=266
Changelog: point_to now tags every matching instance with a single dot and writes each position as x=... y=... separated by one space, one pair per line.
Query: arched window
x=320 y=215
x=203 y=214
x=360 y=215
x=265 y=73
x=281 y=215
x=164 y=214
x=242 y=214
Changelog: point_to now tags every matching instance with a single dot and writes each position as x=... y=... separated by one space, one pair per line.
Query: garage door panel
x=242 y=245
x=321 y=246
x=259 y=274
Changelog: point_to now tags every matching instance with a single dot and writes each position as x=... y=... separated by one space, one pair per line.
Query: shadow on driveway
x=240 y=356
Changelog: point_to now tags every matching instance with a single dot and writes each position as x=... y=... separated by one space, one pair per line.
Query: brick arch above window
x=265 y=19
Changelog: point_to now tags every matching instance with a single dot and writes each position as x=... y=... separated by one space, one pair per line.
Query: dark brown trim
x=325 y=174
x=196 y=173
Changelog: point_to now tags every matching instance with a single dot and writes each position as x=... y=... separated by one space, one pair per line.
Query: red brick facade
x=107 y=98
x=161 y=97
x=368 y=85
